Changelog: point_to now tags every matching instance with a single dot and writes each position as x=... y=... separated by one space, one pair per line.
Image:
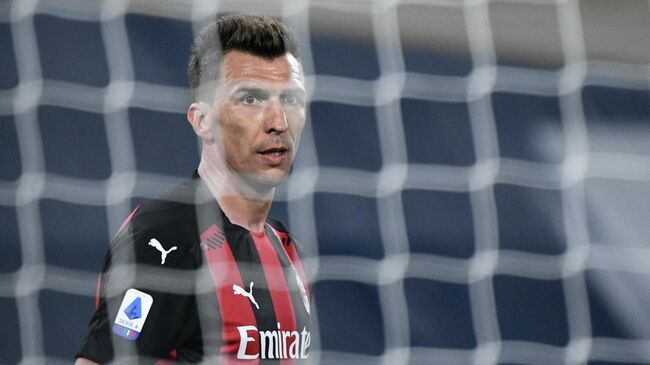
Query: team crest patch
x=132 y=314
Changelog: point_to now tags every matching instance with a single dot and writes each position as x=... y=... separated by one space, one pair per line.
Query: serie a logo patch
x=132 y=314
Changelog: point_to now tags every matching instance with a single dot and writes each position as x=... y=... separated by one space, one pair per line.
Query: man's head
x=260 y=36
x=249 y=107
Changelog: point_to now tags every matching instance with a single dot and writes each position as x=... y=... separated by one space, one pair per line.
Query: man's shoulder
x=162 y=231
x=176 y=205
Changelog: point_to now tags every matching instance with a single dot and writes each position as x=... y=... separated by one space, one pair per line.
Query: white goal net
x=473 y=183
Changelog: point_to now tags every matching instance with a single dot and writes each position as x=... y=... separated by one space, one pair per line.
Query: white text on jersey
x=274 y=344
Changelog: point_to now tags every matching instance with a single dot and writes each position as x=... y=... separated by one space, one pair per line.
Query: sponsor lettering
x=274 y=344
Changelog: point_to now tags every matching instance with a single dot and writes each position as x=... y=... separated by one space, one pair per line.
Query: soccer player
x=201 y=274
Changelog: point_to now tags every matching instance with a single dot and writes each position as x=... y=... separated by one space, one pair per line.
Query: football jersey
x=181 y=282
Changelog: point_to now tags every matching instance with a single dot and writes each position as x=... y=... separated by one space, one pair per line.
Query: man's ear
x=197 y=116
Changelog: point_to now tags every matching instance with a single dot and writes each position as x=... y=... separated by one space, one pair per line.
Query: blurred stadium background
x=473 y=184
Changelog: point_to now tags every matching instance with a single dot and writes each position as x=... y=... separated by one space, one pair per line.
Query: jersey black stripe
x=209 y=312
x=207 y=303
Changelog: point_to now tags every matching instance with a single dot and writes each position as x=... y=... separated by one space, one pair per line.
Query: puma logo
x=163 y=253
x=238 y=290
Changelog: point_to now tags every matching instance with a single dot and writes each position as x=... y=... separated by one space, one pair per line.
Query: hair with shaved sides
x=258 y=35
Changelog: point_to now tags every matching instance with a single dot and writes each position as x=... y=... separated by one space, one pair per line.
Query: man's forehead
x=240 y=67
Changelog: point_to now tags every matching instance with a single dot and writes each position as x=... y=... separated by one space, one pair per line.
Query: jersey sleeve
x=146 y=306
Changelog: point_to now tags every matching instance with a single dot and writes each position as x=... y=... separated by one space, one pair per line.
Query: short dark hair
x=255 y=34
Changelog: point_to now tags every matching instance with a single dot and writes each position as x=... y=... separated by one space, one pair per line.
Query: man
x=201 y=274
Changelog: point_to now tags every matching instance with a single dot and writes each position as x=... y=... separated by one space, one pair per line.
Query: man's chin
x=264 y=181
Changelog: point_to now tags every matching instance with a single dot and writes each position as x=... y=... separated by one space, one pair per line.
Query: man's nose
x=276 y=118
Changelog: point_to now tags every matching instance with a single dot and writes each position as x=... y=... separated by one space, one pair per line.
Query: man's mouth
x=274 y=155
x=275 y=151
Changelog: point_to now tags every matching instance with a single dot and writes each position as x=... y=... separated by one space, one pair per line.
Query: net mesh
x=494 y=301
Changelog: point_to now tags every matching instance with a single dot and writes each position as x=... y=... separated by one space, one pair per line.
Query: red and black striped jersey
x=181 y=282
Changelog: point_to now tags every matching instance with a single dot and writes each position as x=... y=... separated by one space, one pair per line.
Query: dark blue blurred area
x=71 y=50
x=344 y=318
x=616 y=105
x=442 y=224
x=59 y=330
x=344 y=57
x=72 y=234
x=9 y=70
x=9 y=150
x=530 y=220
x=519 y=118
x=159 y=48
x=165 y=142
x=343 y=127
x=439 y=222
x=422 y=60
x=73 y=138
x=627 y=317
x=9 y=236
x=437 y=133
x=347 y=225
x=11 y=344
x=440 y=314
x=531 y=310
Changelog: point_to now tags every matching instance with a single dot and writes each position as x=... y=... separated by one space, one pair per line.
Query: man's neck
x=248 y=213
x=240 y=203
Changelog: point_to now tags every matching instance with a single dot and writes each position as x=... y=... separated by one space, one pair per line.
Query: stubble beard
x=257 y=185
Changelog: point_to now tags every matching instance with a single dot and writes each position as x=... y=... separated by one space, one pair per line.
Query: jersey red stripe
x=127 y=220
x=235 y=310
x=98 y=290
x=170 y=360
x=277 y=286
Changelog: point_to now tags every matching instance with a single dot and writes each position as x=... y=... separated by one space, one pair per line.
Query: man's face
x=258 y=116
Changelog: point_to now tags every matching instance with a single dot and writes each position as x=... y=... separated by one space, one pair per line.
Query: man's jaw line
x=242 y=203
x=231 y=184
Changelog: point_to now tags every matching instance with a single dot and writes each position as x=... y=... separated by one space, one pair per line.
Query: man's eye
x=248 y=99
x=290 y=99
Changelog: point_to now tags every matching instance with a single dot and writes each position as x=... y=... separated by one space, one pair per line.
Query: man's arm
x=84 y=361
x=161 y=310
